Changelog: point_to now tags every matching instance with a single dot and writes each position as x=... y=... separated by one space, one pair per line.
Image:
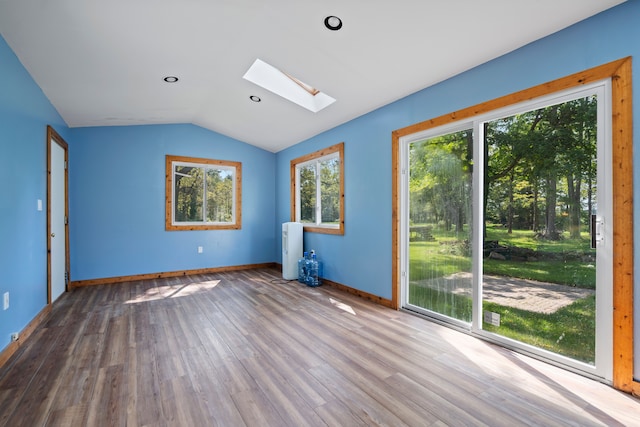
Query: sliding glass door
x=504 y=227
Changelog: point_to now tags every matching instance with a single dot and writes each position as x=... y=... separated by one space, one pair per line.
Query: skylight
x=288 y=87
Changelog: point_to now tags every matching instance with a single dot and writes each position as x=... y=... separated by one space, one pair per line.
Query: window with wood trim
x=202 y=194
x=317 y=190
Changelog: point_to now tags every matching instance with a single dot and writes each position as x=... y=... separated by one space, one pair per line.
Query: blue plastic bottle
x=302 y=268
x=312 y=279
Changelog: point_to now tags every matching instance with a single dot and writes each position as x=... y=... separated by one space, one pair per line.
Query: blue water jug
x=302 y=268
x=312 y=272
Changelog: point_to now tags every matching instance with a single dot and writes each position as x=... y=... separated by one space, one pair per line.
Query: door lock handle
x=596 y=230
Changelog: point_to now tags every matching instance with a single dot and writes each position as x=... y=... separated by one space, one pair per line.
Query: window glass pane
x=317 y=190
x=541 y=190
x=188 y=189
x=219 y=195
x=330 y=191
x=440 y=202
x=308 y=194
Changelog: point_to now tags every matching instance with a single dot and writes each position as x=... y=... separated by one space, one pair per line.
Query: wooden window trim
x=619 y=72
x=337 y=148
x=169 y=226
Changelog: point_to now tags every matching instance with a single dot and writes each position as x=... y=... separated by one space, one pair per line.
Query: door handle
x=596 y=234
x=53 y=234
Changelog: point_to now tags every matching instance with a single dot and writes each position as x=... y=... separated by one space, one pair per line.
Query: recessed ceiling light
x=333 y=23
x=255 y=98
x=171 y=79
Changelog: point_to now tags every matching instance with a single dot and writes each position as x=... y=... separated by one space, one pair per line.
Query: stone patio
x=524 y=294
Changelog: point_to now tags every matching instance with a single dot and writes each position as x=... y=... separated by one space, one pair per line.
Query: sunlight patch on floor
x=342 y=306
x=168 y=291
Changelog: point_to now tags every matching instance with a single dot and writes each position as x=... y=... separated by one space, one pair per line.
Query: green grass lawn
x=445 y=258
x=428 y=261
x=569 y=332
x=447 y=303
x=526 y=239
x=566 y=270
x=572 y=273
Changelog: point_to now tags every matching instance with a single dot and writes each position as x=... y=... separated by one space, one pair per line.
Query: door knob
x=53 y=234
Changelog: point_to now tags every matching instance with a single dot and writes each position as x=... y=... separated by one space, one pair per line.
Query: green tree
x=188 y=190
x=308 y=194
x=330 y=190
x=219 y=195
x=544 y=156
x=440 y=180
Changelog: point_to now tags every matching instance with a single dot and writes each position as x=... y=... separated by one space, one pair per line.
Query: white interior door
x=57 y=228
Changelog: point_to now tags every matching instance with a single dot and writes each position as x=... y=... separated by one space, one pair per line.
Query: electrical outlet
x=5 y=304
x=15 y=337
x=200 y=249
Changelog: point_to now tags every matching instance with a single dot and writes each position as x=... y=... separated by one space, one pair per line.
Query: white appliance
x=291 y=249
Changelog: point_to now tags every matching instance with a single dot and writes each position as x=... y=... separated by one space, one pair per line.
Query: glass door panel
x=540 y=195
x=506 y=227
x=439 y=228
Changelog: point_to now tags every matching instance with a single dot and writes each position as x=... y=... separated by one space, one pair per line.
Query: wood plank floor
x=246 y=348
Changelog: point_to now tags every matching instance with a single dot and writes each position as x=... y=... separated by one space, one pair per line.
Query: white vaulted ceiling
x=102 y=63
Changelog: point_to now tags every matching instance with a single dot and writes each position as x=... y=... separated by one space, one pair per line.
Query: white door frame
x=54 y=138
x=603 y=369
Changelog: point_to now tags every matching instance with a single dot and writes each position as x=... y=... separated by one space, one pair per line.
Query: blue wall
x=117 y=202
x=362 y=257
x=25 y=113
x=117 y=192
